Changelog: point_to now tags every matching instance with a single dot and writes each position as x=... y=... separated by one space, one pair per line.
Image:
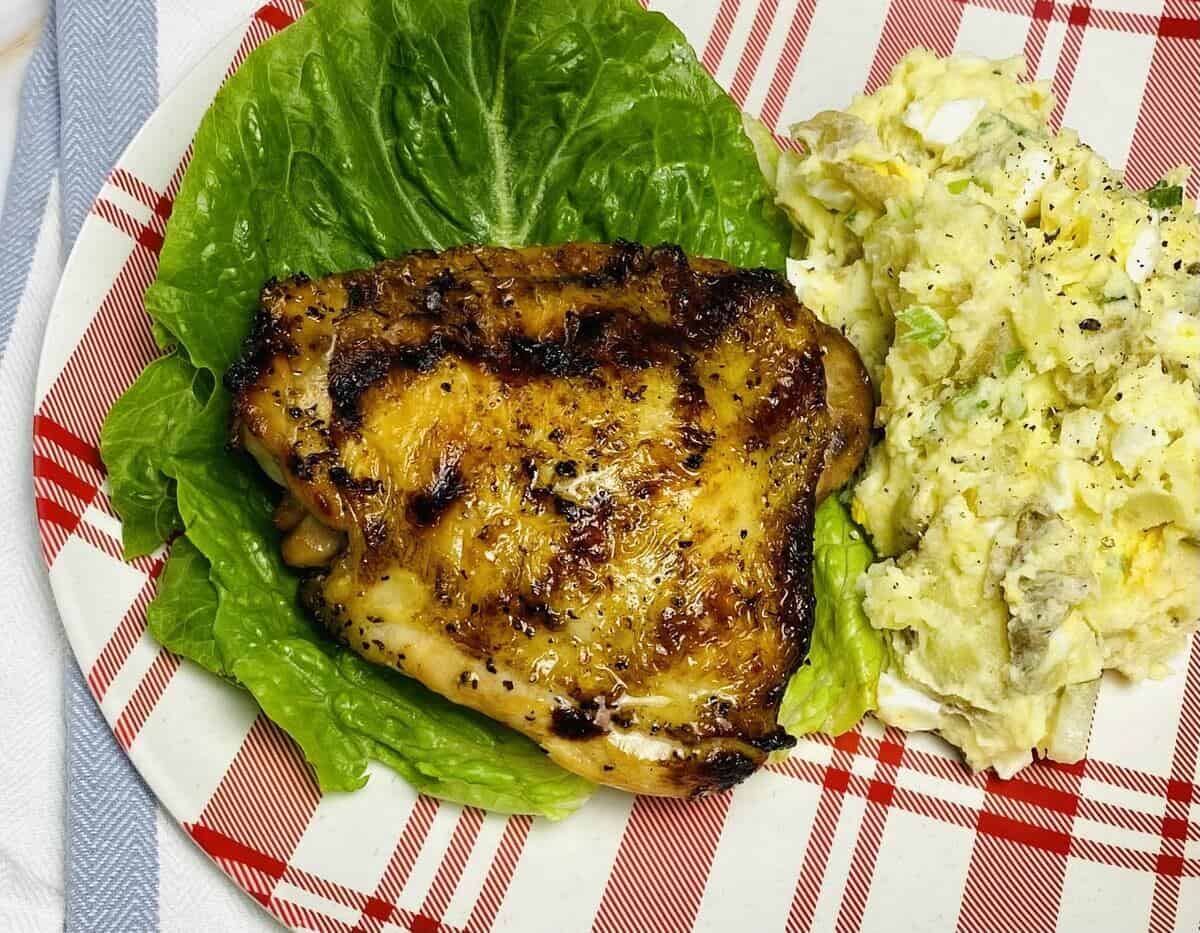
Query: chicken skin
x=571 y=487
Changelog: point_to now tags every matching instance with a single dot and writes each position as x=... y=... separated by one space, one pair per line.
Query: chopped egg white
x=1059 y=491
x=952 y=119
x=1143 y=256
x=1080 y=432
x=915 y=117
x=905 y=706
x=1037 y=166
x=1133 y=442
x=799 y=272
x=948 y=122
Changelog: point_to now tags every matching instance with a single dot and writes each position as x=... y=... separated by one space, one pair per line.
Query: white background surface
x=20 y=26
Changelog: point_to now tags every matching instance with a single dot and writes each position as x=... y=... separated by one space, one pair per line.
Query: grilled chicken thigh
x=571 y=487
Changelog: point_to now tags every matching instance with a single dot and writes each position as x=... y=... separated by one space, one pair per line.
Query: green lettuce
x=181 y=616
x=836 y=685
x=371 y=128
x=367 y=129
x=169 y=411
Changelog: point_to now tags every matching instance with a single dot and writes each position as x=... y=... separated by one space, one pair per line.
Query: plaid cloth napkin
x=83 y=843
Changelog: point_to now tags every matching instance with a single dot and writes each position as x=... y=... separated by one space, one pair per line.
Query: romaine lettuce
x=836 y=685
x=367 y=129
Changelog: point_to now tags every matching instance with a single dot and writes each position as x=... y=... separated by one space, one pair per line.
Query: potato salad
x=1032 y=327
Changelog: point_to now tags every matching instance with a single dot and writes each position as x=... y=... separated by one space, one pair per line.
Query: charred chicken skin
x=571 y=487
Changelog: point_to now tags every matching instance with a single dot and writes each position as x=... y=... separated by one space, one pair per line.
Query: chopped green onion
x=924 y=326
x=958 y=186
x=1163 y=196
x=1015 y=127
x=1012 y=360
x=968 y=401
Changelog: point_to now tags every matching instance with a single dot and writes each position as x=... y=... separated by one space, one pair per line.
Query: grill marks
x=459 y=320
x=727 y=768
x=690 y=409
x=269 y=338
x=354 y=369
x=796 y=394
x=794 y=574
x=572 y=722
x=447 y=486
x=703 y=306
x=627 y=260
x=546 y=461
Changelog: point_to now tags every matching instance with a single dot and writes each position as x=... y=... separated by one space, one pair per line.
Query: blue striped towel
x=93 y=79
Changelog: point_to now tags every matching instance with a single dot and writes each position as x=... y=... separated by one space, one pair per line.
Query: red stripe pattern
x=1064 y=75
x=1171 y=863
x=145 y=697
x=1035 y=40
x=789 y=60
x=880 y=792
x=764 y=18
x=714 y=51
x=499 y=876
x=120 y=645
x=380 y=907
x=910 y=23
x=263 y=803
x=449 y=872
x=1168 y=127
x=1023 y=831
x=835 y=781
x=662 y=865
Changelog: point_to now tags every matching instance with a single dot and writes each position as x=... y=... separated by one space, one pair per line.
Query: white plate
x=874 y=831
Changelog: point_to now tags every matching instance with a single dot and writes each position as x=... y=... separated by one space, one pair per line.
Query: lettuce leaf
x=836 y=685
x=367 y=129
x=371 y=128
x=347 y=709
x=164 y=411
x=181 y=616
